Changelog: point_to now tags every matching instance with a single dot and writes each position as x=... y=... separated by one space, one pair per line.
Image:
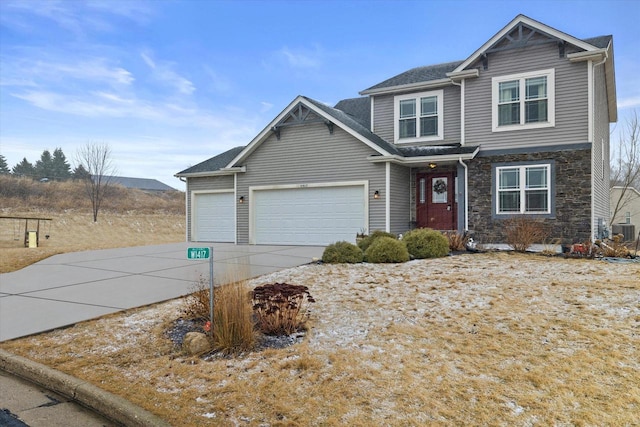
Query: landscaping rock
x=195 y=343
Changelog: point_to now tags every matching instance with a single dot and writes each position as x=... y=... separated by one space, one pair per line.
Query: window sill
x=407 y=141
x=509 y=128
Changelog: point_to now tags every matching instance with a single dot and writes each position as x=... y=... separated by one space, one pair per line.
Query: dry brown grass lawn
x=487 y=339
x=127 y=218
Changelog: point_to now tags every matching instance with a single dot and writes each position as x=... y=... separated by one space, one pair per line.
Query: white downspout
x=235 y=208
x=466 y=194
x=387 y=198
x=591 y=130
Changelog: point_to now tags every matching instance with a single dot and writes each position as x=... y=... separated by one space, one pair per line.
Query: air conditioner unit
x=627 y=230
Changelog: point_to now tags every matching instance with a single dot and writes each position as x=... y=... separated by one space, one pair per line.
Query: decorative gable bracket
x=329 y=126
x=520 y=36
x=300 y=115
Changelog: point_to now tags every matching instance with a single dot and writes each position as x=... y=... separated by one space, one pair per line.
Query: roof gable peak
x=519 y=32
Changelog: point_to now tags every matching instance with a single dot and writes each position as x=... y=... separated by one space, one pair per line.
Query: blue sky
x=168 y=84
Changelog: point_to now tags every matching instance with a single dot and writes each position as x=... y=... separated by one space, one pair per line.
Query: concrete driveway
x=69 y=288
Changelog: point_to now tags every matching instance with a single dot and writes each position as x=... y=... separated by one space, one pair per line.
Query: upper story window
x=523 y=101
x=419 y=117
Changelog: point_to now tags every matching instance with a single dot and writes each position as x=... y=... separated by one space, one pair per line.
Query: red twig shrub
x=280 y=308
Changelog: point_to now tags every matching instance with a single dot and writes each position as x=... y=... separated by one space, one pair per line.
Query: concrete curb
x=104 y=403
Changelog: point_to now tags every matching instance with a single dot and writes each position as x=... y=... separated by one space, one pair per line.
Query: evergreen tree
x=44 y=166
x=4 y=169
x=61 y=169
x=24 y=168
x=81 y=173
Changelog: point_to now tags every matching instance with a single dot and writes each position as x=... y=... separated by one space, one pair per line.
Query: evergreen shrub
x=426 y=243
x=342 y=252
x=367 y=241
x=386 y=250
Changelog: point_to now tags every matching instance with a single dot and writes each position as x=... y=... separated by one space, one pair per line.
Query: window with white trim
x=419 y=117
x=522 y=101
x=523 y=189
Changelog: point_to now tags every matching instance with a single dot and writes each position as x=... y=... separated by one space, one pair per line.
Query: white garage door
x=214 y=217
x=308 y=216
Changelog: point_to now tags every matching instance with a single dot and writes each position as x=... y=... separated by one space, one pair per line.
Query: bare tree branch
x=625 y=165
x=96 y=159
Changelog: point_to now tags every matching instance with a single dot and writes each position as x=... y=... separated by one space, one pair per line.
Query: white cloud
x=35 y=70
x=99 y=104
x=76 y=17
x=632 y=102
x=217 y=82
x=163 y=72
x=300 y=58
x=266 y=106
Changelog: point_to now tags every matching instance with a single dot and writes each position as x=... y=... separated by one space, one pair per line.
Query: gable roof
x=522 y=19
x=338 y=117
x=356 y=126
x=214 y=164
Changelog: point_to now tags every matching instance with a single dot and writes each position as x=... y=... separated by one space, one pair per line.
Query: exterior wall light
x=241 y=199
x=376 y=194
x=432 y=165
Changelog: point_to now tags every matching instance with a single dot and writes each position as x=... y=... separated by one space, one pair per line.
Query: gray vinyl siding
x=452 y=122
x=383 y=117
x=309 y=154
x=601 y=147
x=400 y=199
x=224 y=182
x=571 y=93
x=383 y=120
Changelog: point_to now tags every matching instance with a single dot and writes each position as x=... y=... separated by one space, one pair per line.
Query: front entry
x=435 y=200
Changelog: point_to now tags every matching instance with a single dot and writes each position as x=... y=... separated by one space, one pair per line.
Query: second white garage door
x=308 y=216
x=214 y=217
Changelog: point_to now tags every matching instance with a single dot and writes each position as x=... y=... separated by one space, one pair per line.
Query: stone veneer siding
x=571 y=218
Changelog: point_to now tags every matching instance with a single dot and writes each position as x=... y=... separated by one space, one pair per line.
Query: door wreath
x=439 y=186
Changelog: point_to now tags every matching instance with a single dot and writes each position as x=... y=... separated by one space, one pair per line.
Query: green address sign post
x=200 y=254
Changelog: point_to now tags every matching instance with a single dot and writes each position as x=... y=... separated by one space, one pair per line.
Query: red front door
x=435 y=200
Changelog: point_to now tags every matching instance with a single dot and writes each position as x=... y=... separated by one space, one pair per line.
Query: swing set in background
x=31 y=235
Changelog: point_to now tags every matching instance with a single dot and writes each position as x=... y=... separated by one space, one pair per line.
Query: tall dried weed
x=522 y=232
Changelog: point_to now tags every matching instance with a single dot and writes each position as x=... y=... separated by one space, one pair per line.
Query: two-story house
x=520 y=127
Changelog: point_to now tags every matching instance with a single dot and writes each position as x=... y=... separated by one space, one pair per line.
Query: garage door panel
x=308 y=216
x=214 y=217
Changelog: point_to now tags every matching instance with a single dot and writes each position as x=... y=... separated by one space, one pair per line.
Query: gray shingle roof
x=439 y=150
x=214 y=163
x=600 y=41
x=147 y=184
x=358 y=108
x=355 y=125
x=418 y=75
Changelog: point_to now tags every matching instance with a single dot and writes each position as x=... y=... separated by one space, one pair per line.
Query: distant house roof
x=214 y=163
x=145 y=184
